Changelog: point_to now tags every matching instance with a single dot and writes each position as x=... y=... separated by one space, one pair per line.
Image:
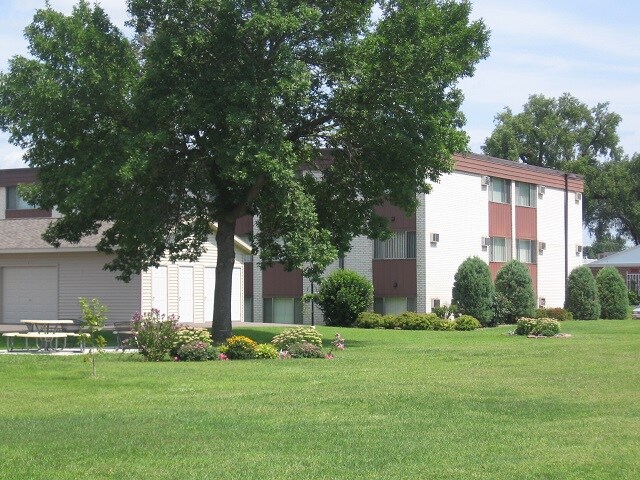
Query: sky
x=588 y=48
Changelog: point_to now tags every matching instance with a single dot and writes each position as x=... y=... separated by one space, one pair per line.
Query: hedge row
x=415 y=321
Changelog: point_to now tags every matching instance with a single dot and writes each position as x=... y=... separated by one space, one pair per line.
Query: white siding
x=198 y=296
x=456 y=209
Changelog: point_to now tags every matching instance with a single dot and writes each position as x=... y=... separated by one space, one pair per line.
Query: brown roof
x=25 y=235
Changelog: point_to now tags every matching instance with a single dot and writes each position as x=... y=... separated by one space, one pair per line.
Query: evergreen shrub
x=466 y=323
x=582 y=294
x=473 y=290
x=613 y=294
x=513 y=283
x=556 y=313
x=342 y=296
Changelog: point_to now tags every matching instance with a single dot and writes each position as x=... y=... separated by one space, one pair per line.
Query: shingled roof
x=25 y=236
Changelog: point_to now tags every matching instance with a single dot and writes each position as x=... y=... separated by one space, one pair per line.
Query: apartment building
x=492 y=208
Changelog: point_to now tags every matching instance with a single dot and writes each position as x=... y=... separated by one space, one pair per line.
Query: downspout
x=566 y=234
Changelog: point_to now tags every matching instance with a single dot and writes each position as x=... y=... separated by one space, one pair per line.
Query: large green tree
x=217 y=109
x=551 y=132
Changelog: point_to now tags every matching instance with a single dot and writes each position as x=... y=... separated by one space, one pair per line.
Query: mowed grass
x=394 y=404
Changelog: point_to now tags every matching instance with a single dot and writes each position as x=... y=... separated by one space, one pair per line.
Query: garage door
x=29 y=293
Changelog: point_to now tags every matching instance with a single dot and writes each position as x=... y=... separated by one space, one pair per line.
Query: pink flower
x=328 y=356
x=222 y=356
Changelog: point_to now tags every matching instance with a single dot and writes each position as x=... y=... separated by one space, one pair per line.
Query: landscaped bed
x=393 y=404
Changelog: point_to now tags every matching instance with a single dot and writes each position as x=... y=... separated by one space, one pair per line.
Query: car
x=636 y=312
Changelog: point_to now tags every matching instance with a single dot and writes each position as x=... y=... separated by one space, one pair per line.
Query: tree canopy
x=218 y=108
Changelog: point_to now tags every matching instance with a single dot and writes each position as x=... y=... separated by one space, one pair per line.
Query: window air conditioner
x=486 y=241
x=578 y=249
x=485 y=179
x=542 y=246
x=578 y=197
x=435 y=237
x=542 y=302
x=541 y=190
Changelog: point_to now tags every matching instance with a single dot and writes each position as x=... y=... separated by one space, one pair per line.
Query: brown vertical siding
x=16 y=176
x=533 y=272
x=398 y=220
x=276 y=282
x=248 y=279
x=526 y=223
x=395 y=278
x=28 y=213
x=494 y=267
x=499 y=220
x=244 y=225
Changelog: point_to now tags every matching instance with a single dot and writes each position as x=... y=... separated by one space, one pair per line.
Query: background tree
x=513 y=284
x=473 y=290
x=605 y=243
x=612 y=294
x=582 y=294
x=343 y=296
x=217 y=109
x=551 y=132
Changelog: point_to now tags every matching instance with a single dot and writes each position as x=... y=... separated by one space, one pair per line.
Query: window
x=394 y=305
x=526 y=251
x=526 y=194
x=16 y=202
x=283 y=310
x=248 y=309
x=500 y=190
x=500 y=249
x=400 y=245
x=341 y=262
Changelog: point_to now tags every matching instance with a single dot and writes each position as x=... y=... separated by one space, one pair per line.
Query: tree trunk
x=224 y=275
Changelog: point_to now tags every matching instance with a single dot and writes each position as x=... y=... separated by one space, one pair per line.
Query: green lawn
x=394 y=404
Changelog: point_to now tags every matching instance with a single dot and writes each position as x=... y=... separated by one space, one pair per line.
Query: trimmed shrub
x=513 y=284
x=473 y=290
x=342 y=296
x=612 y=293
x=556 y=313
x=369 y=320
x=547 y=327
x=466 y=322
x=186 y=335
x=290 y=336
x=305 y=350
x=582 y=294
x=266 y=350
x=239 y=347
x=197 y=351
x=445 y=311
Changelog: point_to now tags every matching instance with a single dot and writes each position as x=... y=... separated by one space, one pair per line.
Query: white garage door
x=29 y=293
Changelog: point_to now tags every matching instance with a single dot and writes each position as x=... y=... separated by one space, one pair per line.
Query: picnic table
x=46 y=333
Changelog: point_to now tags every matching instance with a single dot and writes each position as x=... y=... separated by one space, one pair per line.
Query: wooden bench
x=125 y=335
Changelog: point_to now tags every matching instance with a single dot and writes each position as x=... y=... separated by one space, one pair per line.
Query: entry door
x=237 y=296
x=29 y=293
x=185 y=294
x=159 y=289
x=209 y=292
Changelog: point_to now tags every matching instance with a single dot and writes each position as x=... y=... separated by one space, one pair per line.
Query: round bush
x=239 y=347
x=555 y=313
x=196 y=351
x=343 y=295
x=612 y=293
x=266 y=350
x=467 y=322
x=369 y=320
x=290 y=336
x=305 y=350
x=473 y=290
x=513 y=284
x=582 y=294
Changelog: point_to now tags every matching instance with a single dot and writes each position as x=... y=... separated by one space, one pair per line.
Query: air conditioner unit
x=435 y=303
x=542 y=302
x=542 y=246
x=485 y=179
x=541 y=190
x=435 y=237
x=486 y=241
x=578 y=249
x=578 y=197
